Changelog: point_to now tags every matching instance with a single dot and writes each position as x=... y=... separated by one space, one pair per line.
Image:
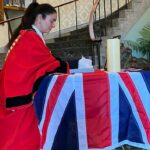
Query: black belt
x=26 y=99
x=18 y=101
x=23 y=100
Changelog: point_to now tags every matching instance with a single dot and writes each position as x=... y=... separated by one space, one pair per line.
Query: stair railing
x=96 y=42
x=93 y=18
x=59 y=17
x=56 y=7
x=93 y=14
x=11 y=19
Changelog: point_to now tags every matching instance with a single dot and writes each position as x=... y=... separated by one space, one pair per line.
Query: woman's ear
x=38 y=19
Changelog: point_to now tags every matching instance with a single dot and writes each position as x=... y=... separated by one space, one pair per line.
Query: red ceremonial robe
x=28 y=60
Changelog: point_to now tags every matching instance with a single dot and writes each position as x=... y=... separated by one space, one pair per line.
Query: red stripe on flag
x=138 y=102
x=97 y=109
x=51 y=105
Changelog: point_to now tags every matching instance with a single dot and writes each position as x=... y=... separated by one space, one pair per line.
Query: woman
x=27 y=62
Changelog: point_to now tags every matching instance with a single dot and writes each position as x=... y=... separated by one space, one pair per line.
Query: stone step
x=74 y=32
x=125 y=13
x=70 y=44
x=50 y=37
x=113 y=31
x=80 y=36
x=72 y=53
x=133 y=3
x=80 y=31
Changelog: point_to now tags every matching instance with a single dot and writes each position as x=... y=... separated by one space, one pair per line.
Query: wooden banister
x=65 y=3
x=91 y=20
x=8 y=20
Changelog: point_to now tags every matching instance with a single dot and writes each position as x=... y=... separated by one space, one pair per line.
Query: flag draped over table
x=94 y=111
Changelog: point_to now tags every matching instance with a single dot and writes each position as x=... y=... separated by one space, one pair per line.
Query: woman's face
x=45 y=25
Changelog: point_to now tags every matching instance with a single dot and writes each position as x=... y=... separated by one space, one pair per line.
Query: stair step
x=137 y=5
x=71 y=37
x=118 y=21
x=79 y=31
x=71 y=43
x=49 y=38
x=132 y=3
x=72 y=53
x=125 y=13
x=114 y=31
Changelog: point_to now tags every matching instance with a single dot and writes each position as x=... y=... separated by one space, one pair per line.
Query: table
x=93 y=111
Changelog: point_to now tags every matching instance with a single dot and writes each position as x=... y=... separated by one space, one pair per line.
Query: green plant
x=142 y=44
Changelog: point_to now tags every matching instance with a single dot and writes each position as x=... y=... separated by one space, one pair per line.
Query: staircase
x=78 y=42
x=126 y=20
x=71 y=47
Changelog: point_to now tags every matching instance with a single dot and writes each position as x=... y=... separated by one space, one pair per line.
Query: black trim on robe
x=18 y=101
x=26 y=99
x=61 y=69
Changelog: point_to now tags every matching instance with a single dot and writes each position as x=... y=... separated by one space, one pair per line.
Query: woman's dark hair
x=30 y=15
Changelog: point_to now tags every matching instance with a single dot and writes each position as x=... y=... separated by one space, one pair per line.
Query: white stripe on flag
x=58 y=112
x=142 y=90
x=80 y=111
x=114 y=106
x=134 y=110
x=54 y=78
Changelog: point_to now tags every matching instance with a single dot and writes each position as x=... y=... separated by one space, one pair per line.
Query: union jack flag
x=94 y=111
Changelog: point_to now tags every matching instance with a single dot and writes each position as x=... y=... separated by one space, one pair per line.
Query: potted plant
x=142 y=44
